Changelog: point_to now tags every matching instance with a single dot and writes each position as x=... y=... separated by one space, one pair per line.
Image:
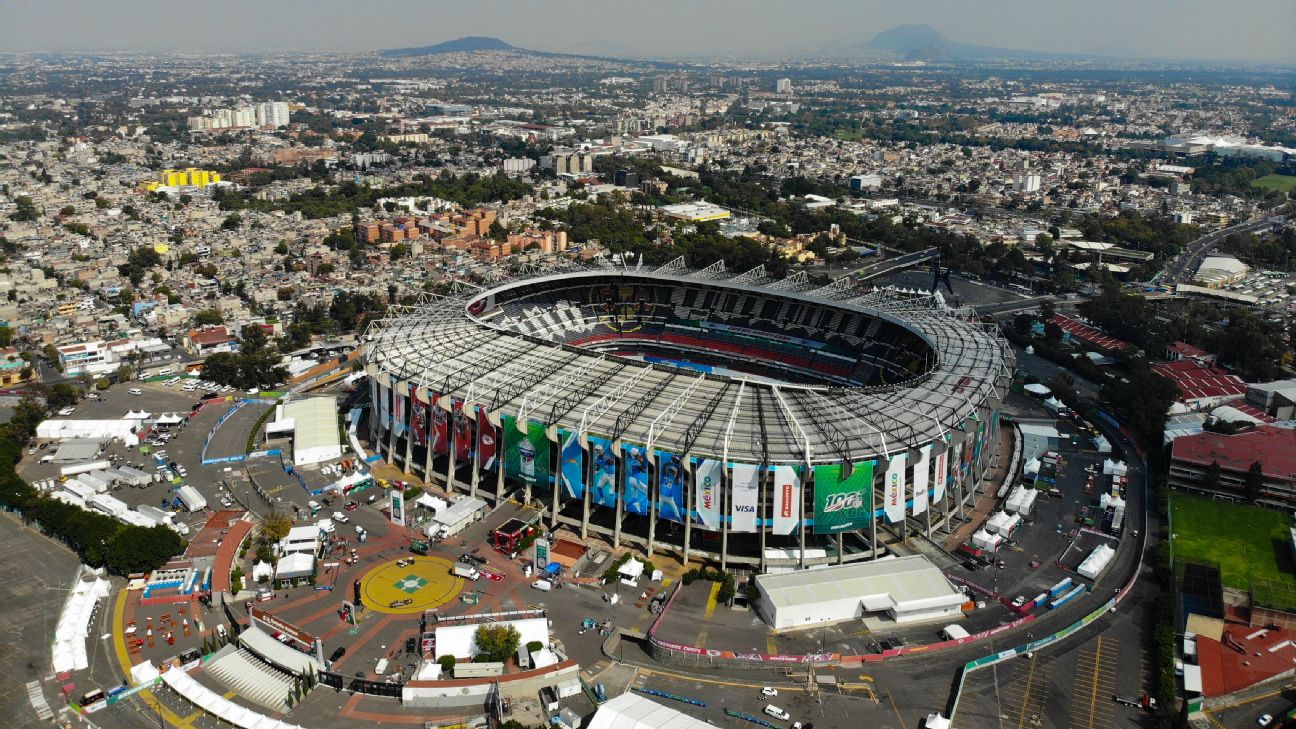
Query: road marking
x=1093 y=694
x=1026 y=694
x=771 y=646
x=123 y=657
x=711 y=601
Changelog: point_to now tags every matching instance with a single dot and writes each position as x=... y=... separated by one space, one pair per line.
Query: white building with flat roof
x=314 y=427
x=906 y=590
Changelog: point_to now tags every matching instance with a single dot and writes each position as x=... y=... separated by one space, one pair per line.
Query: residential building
x=208 y=340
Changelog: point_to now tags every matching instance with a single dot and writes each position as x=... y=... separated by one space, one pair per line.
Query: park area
x=1281 y=183
x=1249 y=543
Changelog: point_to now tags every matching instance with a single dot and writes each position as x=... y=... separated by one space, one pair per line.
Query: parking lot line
x=1026 y=694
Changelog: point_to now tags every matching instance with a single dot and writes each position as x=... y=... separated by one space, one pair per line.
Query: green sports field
x=1281 y=183
x=1247 y=542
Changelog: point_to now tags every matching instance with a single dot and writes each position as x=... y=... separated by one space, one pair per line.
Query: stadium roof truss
x=512 y=366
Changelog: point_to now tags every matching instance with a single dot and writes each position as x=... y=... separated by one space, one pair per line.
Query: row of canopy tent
x=217 y=705
x=1096 y=562
x=74 y=625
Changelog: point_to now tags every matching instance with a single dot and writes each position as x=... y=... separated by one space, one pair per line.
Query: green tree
x=208 y=317
x=63 y=395
x=1254 y=481
x=141 y=549
x=497 y=643
x=232 y=222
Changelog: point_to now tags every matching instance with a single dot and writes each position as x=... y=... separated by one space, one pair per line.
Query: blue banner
x=604 y=473
x=636 y=479
x=672 y=478
x=572 y=468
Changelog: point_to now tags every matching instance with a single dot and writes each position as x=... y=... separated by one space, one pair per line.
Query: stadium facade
x=736 y=418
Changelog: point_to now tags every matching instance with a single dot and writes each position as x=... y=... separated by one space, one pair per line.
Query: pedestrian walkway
x=984 y=505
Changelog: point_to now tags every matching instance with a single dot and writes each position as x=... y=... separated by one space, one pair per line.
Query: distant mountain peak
x=467 y=44
x=905 y=39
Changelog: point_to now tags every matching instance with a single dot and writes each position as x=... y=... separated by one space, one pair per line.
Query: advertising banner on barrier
x=397 y=507
x=399 y=401
x=462 y=432
x=921 y=469
x=842 y=504
x=787 y=499
x=418 y=421
x=940 y=470
x=636 y=479
x=526 y=454
x=604 y=472
x=745 y=497
x=487 y=442
x=894 y=496
x=672 y=479
x=440 y=435
x=384 y=412
x=708 y=478
x=571 y=469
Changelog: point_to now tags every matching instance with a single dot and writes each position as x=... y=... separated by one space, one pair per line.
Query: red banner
x=440 y=429
x=463 y=435
x=486 y=442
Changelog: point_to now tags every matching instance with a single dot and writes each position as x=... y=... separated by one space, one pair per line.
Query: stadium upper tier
x=835 y=374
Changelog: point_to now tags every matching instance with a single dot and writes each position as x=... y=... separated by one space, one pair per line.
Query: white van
x=136 y=391
x=165 y=371
x=776 y=712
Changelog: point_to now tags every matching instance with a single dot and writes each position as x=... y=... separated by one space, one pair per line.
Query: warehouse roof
x=314 y=422
x=1273 y=447
x=906 y=583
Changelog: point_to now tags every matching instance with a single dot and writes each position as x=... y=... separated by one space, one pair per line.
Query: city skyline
x=1147 y=29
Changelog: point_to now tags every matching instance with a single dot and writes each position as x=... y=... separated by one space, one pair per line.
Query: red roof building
x=1273 y=447
x=1184 y=350
x=1078 y=330
x=1200 y=385
x=1263 y=655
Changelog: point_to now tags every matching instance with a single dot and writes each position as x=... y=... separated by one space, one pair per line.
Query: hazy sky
x=1249 y=30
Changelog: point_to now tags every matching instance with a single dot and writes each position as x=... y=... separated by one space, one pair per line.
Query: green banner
x=842 y=504
x=526 y=455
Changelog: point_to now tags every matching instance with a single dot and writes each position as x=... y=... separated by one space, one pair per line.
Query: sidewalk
x=986 y=503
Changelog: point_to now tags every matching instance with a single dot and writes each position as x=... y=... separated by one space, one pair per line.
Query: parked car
x=768 y=691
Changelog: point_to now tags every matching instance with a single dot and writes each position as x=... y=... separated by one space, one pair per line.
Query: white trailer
x=75 y=468
x=97 y=480
x=134 y=476
x=159 y=516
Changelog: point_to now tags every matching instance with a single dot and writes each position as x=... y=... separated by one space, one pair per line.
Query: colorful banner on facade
x=636 y=479
x=487 y=442
x=461 y=430
x=397 y=507
x=708 y=478
x=440 y=434
x=375 y=408
x=842 y=504
x=604 y=472
x=921 y=469
x=745 y=497
x=418 y=421
x=398 y=416
x=787 y=499
x=526 y=454
x=672 y=479
x=940 y=470
x=572 y=468
x=894 y=499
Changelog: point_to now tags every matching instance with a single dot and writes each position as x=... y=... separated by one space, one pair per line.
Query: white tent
x=297 y=564
x=631 y=571
x=985 y=540
x=1054 y=404
x=262 y=569
x=1096 y=562
x=74 y=625
x=1114 y=468
x=1032 y=467
x=1003 y=523
x=1021 y=500
x=936 y=721
x=1038 y=390
x=428 y=501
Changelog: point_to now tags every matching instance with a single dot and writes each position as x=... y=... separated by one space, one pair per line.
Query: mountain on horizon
x=925 y=43
x=467 y=44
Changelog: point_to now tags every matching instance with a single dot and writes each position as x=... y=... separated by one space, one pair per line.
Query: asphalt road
x=1187 y=261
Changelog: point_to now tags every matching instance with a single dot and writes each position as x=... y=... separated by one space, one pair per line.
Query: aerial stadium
x=728 y=417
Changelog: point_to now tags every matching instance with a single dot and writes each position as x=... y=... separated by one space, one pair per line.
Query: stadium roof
x=519 y=368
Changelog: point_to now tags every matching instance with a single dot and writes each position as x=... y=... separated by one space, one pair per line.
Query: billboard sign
x=842 y=503
x=487 y=442
x=921 y=469
x=604 y=472
x=894 y=495
x=540 y=553
x=398 y=405
x=708 y=480
x=940 y=469
x=463 y=435
x=787 y=499
x=397 y=507
x=746 y=493
x=636 y=479
x=418 y=421
x=672 y=479
x=526 y=453
x=440 y=429
x=571 y=470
